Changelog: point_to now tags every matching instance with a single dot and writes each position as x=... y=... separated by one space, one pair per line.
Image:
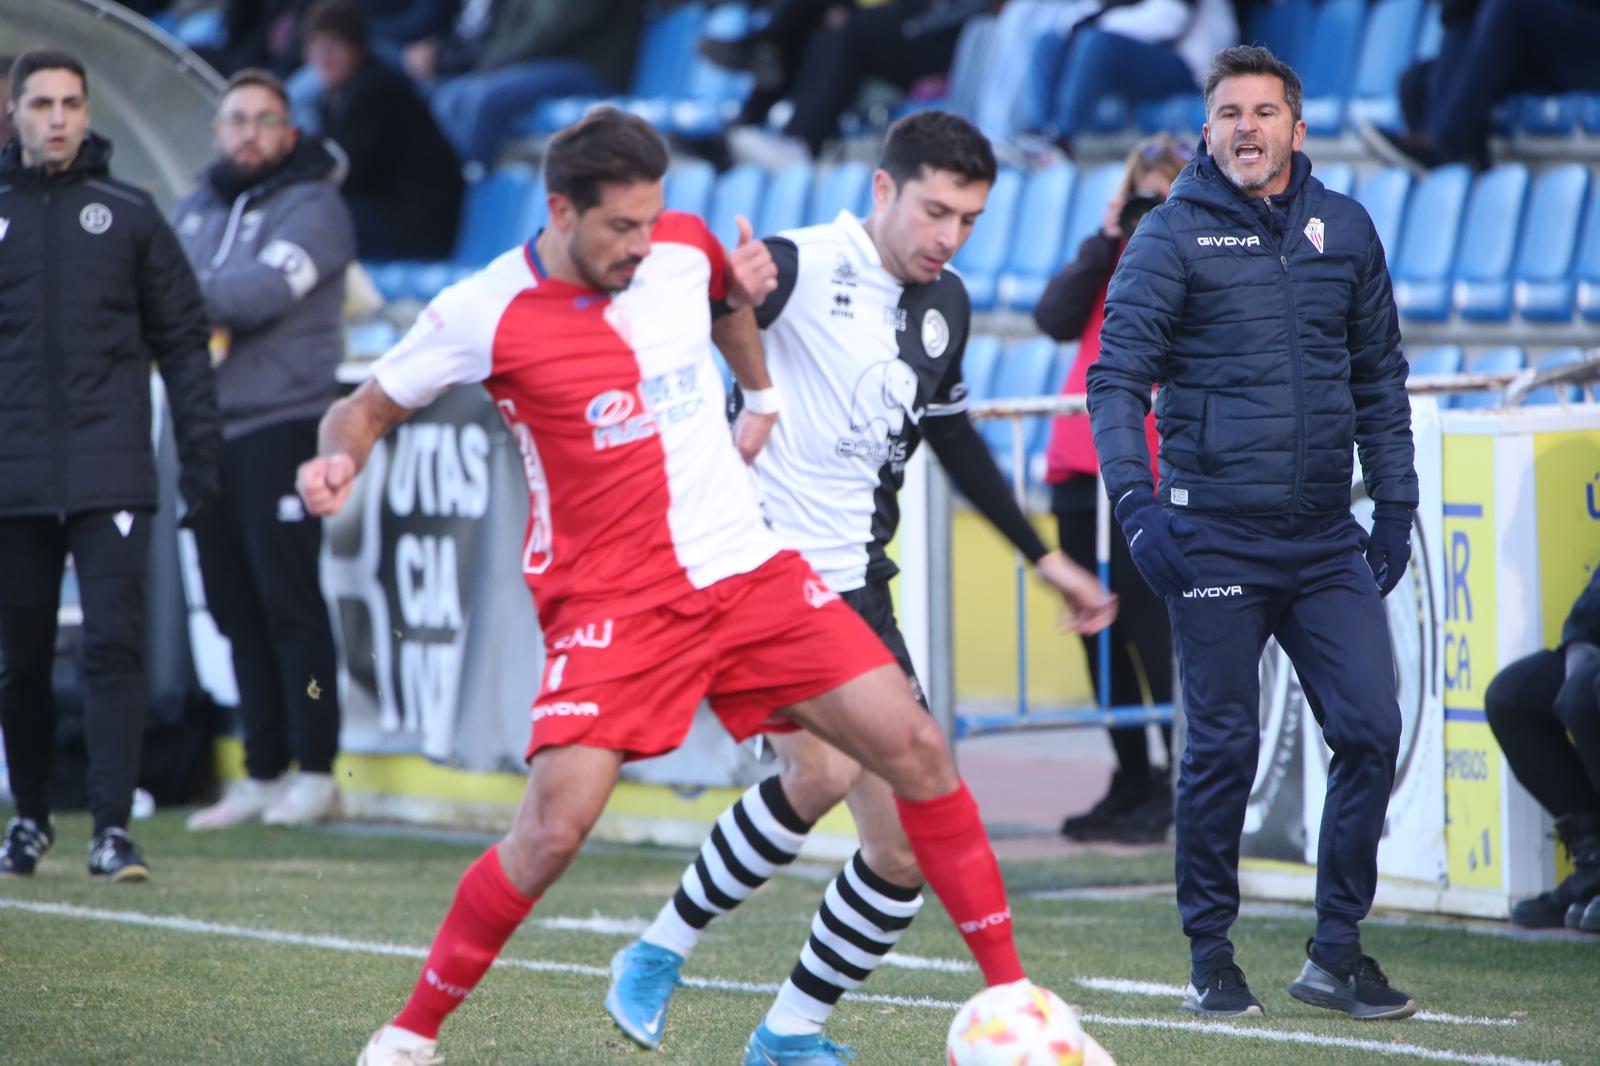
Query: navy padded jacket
x=1274 y=355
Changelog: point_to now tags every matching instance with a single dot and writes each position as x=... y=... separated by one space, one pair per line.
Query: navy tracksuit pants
x=1305 y=581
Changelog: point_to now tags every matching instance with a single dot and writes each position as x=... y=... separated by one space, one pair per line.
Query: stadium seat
x=1494 y=361
x=1430 y=35
x=710 y=96
x=1022 y=370
x=1589 y=112
x=980 y=260
x=1386 y=51
x=784 y=205
x=970 y=65
x=1586 y=269
x=1482 y=289
x=661 y=69
x=1546 y=116
x=1331 y=65
x=1094 y=191
x=1383 y=193
x=1543 y=286
x=392 y=279
x=1337 y=177
x=738 y=192
x=1038 y=248
x=977 y=364
x=845 y=187
x=1286 y=27
x=1017 y=29
x=1430 y=362
x=688 y=186
x=1178 y=115
x=1549 y=394
x=489 y=202
x=1428 y=244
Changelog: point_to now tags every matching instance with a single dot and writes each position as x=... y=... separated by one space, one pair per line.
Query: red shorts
x=751 y=644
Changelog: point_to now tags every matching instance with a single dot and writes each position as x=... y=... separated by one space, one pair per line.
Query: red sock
x=954 y=853
x=486 y=911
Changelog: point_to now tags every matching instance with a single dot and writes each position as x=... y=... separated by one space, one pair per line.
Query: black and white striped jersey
x=860 y=360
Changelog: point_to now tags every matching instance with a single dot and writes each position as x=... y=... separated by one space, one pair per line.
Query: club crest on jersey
x=95 y=219
x=1314 y=234
x=844 y=271
x=935 y=333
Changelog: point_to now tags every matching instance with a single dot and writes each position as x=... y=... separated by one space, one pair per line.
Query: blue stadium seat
x=392 y=279
x=1386 y=51
x=1337 y=177
x=483 y=233
x=1495 y=360
x=784 y=205
x=1589 y=112
x=846 y=187
x=1331 y=65
x=1543 y=286
x=1017 y=28
x=977 y=364
x=982 y=257
x=661 y=69
x=1430 y=362
x=1549 y=394
x=532 y=212
x=1488 y=240
x=1383 y=193
x=688 y=186
x=1546 y=116
x=970 y=64
x=1095 y=189
x=1038 y=248
x=738 y=192
x=1023 y=370
x=1179 y=115
x=710 y=96
x=1586 y=269
x=1428 y=244
x=1286 y=27
x=1431 y=34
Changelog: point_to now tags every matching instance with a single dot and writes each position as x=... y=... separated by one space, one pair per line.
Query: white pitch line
x=1156 y=988
x=375 y=947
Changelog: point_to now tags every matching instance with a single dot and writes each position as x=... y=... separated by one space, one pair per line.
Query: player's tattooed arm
x=344 y=441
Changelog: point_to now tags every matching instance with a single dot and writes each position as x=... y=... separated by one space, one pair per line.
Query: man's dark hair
x=1246 y=59
x=341 y=19
x=37 y=59
x=263 y=78
x=605 y=147
x=937 y=140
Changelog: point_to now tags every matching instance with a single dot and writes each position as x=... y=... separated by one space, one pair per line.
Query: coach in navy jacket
x=1259 y=301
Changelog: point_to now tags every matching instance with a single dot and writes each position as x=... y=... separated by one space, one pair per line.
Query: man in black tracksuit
x=1260 y=302
x=93 y=286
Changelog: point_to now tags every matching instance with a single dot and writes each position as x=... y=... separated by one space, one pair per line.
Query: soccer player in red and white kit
x=656 y=580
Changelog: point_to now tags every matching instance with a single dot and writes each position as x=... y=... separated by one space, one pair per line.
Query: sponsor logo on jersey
x=593 y=635
x=668 y=399
x=609 y=408
x=1223 y=241
x=935 y=333
x=1213 y=592
x=895 y=318
x=841 y=306
x=817 y=594
x=95 y=219
x=565 y=709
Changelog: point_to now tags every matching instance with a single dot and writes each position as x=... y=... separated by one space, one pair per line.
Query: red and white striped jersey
x=636 y=494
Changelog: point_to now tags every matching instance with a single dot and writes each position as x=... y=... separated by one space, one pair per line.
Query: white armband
x=762 y=401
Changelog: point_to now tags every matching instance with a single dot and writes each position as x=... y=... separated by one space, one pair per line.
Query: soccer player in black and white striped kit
x=863 y=340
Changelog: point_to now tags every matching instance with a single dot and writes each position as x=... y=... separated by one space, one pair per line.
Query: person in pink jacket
x=1138 y=805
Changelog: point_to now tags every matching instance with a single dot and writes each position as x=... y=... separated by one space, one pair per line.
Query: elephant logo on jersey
x=884 y=396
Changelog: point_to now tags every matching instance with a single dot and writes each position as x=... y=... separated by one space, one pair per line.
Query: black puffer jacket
x=93 y=286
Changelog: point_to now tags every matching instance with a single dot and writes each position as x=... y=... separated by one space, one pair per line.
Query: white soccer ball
x=1016 y=1024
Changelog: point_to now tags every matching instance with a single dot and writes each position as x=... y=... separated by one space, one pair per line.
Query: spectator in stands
x=270 y=240
x=389 y=26
x=96 y=286
x=1491 y=48
x=1274 y=369
x=502 y=62
x=1138 y=806
x=1133 y=50
x=404 y=185
x=898 y=41
x=1544 y=710
x=260 y=33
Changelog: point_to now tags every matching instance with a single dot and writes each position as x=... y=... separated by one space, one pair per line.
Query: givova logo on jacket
x=1225 y=241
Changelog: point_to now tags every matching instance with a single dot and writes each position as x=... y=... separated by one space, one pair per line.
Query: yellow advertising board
x=1473 y=765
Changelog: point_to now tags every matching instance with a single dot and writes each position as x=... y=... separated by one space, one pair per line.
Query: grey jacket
x=271 y=263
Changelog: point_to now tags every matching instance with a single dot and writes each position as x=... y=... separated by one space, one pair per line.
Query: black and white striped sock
x=749 y=841
x=861 y=918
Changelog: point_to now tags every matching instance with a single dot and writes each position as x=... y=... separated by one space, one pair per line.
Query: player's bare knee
x=890 y=857
x=919 y=767
x=818 y=781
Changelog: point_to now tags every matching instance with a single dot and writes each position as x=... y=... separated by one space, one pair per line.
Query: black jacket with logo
x=93 y=286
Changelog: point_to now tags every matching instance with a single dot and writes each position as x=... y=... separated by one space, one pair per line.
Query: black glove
x=1149 y=528
x=1389 y=545
x=199 y=486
